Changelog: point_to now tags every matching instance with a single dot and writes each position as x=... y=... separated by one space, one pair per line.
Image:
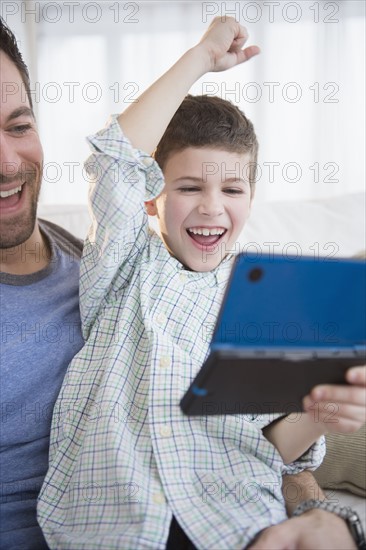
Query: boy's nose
x=211 y=206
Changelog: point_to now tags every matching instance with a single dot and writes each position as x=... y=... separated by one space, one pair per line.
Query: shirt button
x=183 y=277
x=164 y=362
x=165 y=431
x=146 y=161
x=158 y=498
x=161 y=319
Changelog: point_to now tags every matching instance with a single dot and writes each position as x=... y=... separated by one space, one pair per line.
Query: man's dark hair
x=8 y=45
x=207 y=121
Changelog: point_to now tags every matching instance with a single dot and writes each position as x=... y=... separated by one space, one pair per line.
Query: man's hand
x=316 y=529
x=223 y=42
x=342 y=409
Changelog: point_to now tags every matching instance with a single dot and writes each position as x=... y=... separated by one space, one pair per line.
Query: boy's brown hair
x=207 y=121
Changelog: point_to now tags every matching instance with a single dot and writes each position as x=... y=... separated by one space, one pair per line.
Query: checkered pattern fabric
x=123 y=457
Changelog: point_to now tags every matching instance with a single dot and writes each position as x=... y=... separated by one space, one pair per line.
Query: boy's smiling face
x=203 y=206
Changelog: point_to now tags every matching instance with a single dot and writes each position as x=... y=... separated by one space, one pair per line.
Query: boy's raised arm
x=119 y=229
x=220 y=48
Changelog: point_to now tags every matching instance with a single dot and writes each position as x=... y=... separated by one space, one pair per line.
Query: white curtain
x=304 y=93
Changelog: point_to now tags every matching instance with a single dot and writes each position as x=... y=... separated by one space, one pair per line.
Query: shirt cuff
x=310 y=460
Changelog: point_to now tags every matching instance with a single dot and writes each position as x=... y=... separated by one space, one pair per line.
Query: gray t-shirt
x=40 y=333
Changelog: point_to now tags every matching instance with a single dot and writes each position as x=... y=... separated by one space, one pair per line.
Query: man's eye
x=20 y=129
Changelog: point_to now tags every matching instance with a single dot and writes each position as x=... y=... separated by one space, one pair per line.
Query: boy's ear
x=252 y=193
x=150 y=208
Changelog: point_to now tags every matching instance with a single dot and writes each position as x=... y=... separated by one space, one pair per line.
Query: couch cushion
x=324 y=227
x=344 y=465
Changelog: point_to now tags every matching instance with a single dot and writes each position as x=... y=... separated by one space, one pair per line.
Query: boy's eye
x=233 y=191
x=189 y=189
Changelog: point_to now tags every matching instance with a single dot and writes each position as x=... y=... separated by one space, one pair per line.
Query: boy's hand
x=218 y=50
x=342 y=409
x=223 y=42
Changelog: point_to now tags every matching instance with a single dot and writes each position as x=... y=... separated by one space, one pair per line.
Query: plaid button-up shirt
x=123 y=457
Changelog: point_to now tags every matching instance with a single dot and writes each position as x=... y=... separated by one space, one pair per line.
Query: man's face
x=203 y=206
x=21 y=159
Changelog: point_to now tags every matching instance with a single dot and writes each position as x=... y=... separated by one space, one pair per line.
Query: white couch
x=334 y=226
x=325 y=227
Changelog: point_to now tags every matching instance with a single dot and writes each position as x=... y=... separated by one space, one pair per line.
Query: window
x=304 y=94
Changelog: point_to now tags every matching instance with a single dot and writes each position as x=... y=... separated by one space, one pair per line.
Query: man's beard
x=16 y=230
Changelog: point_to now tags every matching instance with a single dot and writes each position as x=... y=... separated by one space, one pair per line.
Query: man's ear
x=151 y=208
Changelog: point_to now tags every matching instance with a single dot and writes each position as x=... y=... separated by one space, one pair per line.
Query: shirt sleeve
x=121 y=179
x=310 y=460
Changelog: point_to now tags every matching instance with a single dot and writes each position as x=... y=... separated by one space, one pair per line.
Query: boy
x=127 y=469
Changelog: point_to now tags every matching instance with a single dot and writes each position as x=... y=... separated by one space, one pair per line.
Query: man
x=40 y=321
x=40 y=328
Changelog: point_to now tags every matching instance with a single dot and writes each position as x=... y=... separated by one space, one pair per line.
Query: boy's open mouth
x=206 y=236
x=11 y=197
